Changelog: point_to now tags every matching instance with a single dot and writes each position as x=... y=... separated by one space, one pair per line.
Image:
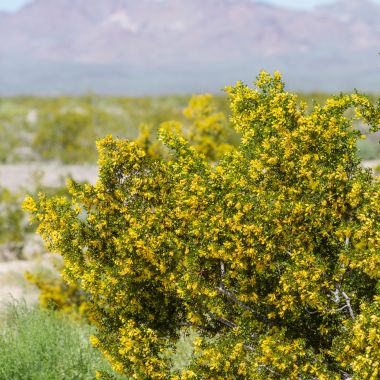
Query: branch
x=232 y=296
x=223 y=320
x=338 y=289
x=269 y=369
x=311 y=312
x=222 y=271
x=247 y=346
x=335 y=293
x=348 y=304
x=347 y=299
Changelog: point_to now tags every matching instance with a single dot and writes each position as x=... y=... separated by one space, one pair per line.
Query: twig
x=348 y=304
x=222 y=270
x=232 y=296
x=223 y=320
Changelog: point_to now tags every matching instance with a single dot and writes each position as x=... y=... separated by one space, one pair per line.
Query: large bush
x=271 y=254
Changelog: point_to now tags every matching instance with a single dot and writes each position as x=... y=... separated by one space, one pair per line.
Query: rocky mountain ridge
x=204 y=36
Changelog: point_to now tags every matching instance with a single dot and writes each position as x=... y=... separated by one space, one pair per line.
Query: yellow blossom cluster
x=56 y=294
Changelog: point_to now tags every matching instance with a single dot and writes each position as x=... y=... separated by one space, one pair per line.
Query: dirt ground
x=13 y=286
x=24 y=176
x=27 y=176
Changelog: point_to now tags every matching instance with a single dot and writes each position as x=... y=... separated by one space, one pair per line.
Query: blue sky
x=12 y=5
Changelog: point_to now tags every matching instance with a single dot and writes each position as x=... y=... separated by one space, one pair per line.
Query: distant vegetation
x=64 y=129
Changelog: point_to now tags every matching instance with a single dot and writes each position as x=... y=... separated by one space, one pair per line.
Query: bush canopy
x=269 y=253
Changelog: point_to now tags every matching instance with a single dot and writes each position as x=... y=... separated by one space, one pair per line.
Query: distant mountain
x=160 y=46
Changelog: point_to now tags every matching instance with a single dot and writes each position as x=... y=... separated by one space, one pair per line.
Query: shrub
x=56 y=294
x=205 y=129
x=270 y=254
x=40 y=345
x=13 y=225
x=65 y=136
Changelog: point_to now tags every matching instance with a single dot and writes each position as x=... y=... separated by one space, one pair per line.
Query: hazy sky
x=12 y=5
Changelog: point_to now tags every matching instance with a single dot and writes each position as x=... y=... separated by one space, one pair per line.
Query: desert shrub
x=270 y=254
x=206 y=130
x=65 y=136
x=13 y=225
x=56 y=294
x=41 y=345
x=204 y=127
x=15 y=231
x=66 y=132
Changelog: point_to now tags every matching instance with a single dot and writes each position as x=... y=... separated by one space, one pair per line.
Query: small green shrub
x=42 y=345
x=12 y=225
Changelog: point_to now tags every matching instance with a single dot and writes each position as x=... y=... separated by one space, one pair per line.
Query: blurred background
x=157 y=47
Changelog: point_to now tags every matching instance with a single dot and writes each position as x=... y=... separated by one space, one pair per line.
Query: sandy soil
x=13 y=286
x=24 y=176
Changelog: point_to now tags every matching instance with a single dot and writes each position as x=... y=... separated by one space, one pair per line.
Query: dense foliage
x=270 y=253
x=55 y=294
